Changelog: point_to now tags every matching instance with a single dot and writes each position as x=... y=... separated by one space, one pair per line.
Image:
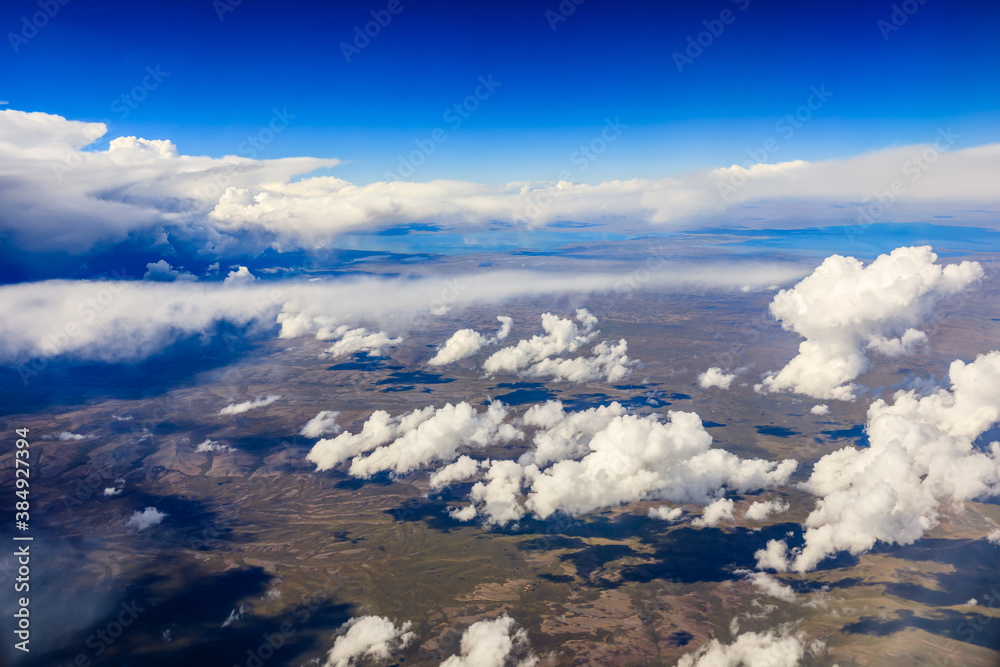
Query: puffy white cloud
x=65 y=436
x=761 y=509
x=240 y=276
x=603 y=458
x=769 y=585
x=112 y=491
x=324 y=423
x=404 y=443
x=821 y=409
x=715 y=377
x=144 y=519
x=364 y=637
x=360 y=340
x=994 y=536
x=665 y=513
x=495 y=643
x=466 y=342
x=715 y=513
x=459 y=471
x=537 y=356
x=921 y=457
x=781 y=648
x=212 y=446
x=245 y=406
x=129 y=320
x=161 y=271
x=844 y=308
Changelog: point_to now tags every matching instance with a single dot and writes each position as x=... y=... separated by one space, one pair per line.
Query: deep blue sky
x=557 y=86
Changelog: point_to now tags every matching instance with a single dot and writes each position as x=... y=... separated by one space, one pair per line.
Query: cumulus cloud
x=466 y=342
x=234 y=205
x=761 y=509
x=715 y=377
x=665 y=513
x=360 y=340
x=769 y=585
x=65 y=436
x=161 y=271
x=994 y=536
x=459 y=471
x=821 y=409
x=364 y=637
x=495 y=643
x=921 y=458
x=774 y=648
x=112 y=491
x=212 y=446
x=537 y=356
x=144 y=519
x=259 y=402
x=603 y=457
x=715 y=513
x=240 y=276
x=406 y=442
x=324 y=423
x=844 y=308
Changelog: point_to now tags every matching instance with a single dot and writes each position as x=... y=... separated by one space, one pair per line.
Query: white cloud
x=144 y=519
x=920 y=460
x=212 y=446
x=715 y=513
x=760 y=510
x=241 y=276
x=112 y=491
x=374 y=637
x=821 y=409
x=715 y=377
x=161 y=271
x=665 y=513
x=405 y=443
x=235 y=205
x=994 y=536
x=360 y=340
x=845 y=308
x=459 y=471
x=769 y=585
x=781 y=648
x=537 y=356
x=324 y=423
x=129 y=320
x=603 y=458
x=495 y=643
x=66 y=436
x=466 y=342
x=259 y=402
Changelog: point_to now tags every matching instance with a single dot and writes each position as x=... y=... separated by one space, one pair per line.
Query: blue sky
x=556 y=89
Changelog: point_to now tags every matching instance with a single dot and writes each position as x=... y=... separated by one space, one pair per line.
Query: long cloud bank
x=239 y=204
